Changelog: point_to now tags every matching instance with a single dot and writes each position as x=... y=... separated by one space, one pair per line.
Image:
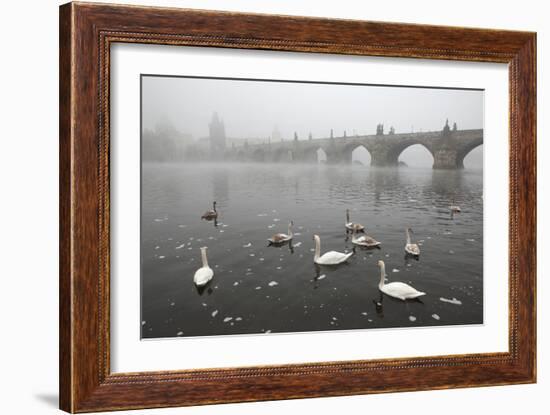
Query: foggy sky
x=254 y=108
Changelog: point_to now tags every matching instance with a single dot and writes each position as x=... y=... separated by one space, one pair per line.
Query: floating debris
x=322 y=276
x=157 y=247
x=334 y=318
x=214 y=313
x=258 y=288
x=435 y=316
x=172 y=304
x=267 y=331
x=227 y=319
x=180 y=246
x=261 y=259
x=180 y=333
x=248 y=245
x=279 y=267
x=262 y=214
x=276 y=220
x=395 y=270
x=451 y=301
x=251 y=254
x=365 y=313
x=273 y=283
x=412 y=318
x=143 y=323
x=238 y=319
x=471 y=240
x=204 y=304
x=297 y=244
x=162 y=257
x=236 y=283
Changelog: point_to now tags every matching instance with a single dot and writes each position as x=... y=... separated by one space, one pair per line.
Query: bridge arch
x=465 y=150
x=416 y=155
x=395 y=151
x=283 y=155
x=355 y=150
x=313 y=154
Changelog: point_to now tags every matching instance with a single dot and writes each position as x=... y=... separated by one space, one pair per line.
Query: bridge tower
x=217 y=137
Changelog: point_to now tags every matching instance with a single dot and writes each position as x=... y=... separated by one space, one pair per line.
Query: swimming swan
x=328 y=258
x=364 y=240
x=350 y=226
x=410 y=248
x=454 y=208
x=279 y=238
x=398 y=290
x=210 y=214
x=204 y=274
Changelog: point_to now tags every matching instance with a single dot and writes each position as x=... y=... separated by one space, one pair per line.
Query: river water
x=259 y=288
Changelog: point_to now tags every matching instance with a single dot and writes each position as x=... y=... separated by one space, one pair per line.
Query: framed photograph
x=260 y=207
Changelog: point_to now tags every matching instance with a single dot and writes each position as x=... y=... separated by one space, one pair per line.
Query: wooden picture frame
x=86 y=33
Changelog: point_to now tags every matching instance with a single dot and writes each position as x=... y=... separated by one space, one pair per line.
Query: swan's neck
x=317 y=248
x=214 y=207
x=347 y=217
x=204 y=259
x=290 y=229
x=408 y=237
x=382 y=275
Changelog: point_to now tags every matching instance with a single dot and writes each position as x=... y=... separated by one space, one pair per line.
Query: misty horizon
x=255 y=108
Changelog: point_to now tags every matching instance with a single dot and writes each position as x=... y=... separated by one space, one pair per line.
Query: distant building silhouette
x=217 y=136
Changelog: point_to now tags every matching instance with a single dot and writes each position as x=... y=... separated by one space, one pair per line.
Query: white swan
x=210 y=214
x=454 y=208
x=398 y=290
x=279 y=238
x=204 y=274
x=350 y=226
x=410 y=248
x=364 y=240
x=328 y=258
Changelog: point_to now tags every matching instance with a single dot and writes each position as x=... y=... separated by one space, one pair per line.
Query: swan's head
x=291 y=223
x=380 y=263
x=316 y=238
x=410 y=230
x=214 y=203
x=204 y=248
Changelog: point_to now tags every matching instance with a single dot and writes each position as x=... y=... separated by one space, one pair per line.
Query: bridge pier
x=447 y=159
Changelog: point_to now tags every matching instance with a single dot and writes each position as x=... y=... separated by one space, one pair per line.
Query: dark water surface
x=257 y=288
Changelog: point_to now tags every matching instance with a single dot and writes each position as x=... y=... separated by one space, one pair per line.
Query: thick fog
x=255 y=109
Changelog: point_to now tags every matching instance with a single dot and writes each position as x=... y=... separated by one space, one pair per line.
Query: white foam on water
x=435 y=316
x=214 y=313
x=451 y=301
x=248 y=245
x=395 y=270
x=297 y=244
x=180 y=246
x=322 y=276
x=227 y=319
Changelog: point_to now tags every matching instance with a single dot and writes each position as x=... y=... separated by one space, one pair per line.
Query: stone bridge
x=448 y=148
